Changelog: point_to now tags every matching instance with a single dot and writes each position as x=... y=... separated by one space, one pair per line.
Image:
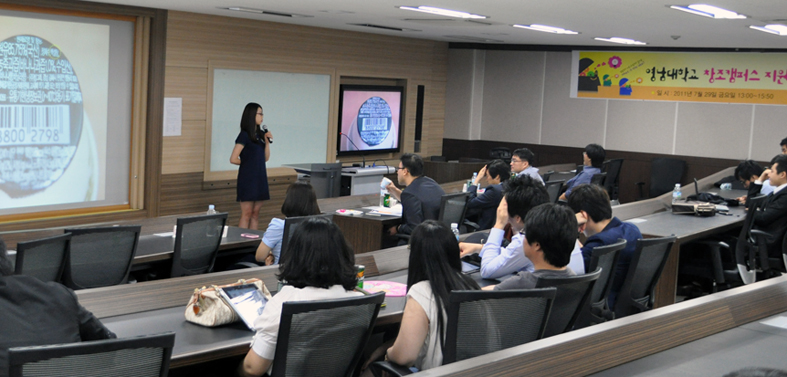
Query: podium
x=364 y=180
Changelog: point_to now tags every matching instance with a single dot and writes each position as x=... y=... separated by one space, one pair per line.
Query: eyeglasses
x=515 y=161
x=259 y=113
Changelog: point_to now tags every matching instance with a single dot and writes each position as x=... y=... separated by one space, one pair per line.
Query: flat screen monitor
x=370 y=119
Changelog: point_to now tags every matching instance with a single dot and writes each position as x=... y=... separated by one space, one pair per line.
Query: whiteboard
x=295 y=108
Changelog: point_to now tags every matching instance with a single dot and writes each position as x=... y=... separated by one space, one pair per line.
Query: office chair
x=751 y=250
x=480 y=322
x=553 y=189
x=500 y=153
x=453 y=208
x=197 y=242
x=573 y=295
x=142 y=356
x=598 y=179
x=664 y=174
x=606 y=259
x=438 y=158
x=648 y=261
x=100 y=257
x=324 y=338
x=612 y=182
x=44 y=259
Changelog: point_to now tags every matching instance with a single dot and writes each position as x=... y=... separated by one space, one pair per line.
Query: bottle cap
x=210 y=206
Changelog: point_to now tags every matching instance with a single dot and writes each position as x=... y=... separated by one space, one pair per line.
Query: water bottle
x=676 y=194
x=210 y=231
x=472 y=180
x=211 y=210
x=455 y=230
x=383 y=190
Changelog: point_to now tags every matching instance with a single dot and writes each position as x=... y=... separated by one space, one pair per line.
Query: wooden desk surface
x=752 y=344
x=195 y=344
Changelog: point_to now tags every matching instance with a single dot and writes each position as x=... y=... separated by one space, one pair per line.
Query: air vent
x=383 y=27
x=474 y=39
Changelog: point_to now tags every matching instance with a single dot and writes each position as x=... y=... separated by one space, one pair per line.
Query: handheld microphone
x=363 y=158
x=265 y=131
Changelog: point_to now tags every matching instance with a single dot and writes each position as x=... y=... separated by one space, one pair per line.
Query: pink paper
x=391 y=288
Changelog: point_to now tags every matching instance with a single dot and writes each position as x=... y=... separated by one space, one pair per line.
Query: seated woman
x=300 y=201
x=36 y=313
x=435 y=270
x=319 y=265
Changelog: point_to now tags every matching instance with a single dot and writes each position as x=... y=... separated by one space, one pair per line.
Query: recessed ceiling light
x=266 y=12
x=706 y=10
x=777 y=29
x=442 y=12
x=546 y=29
x=624 y=41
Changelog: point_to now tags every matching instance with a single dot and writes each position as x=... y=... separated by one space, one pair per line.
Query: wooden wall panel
x=194 y=40
x=184 y=193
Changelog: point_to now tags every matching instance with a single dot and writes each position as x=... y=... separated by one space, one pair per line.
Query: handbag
x=207 y=308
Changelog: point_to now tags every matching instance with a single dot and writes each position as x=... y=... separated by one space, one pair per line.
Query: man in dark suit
x=421 y=196
x=772 y=218
x=35 y=313
x=485 y=204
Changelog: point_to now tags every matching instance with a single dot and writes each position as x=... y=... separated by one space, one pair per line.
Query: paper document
x=393 y=211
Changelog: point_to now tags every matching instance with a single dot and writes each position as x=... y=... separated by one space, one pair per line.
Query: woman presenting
x=252 y=150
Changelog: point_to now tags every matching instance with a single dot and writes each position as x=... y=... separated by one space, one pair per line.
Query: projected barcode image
x=34 y=125
x=41 y=114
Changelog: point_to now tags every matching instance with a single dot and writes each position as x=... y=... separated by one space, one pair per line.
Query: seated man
x=421 y=196
x=36 y=313
x=592 y=158
x=594 y=216
x=520 y=194
x=551 y=234
x=748 y=172
x=521 y=164
x=773 y=216
x=485 y=205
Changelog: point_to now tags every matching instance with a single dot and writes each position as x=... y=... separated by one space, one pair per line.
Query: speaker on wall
x=419 y=118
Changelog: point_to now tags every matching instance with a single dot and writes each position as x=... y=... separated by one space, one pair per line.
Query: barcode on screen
x=35 y=125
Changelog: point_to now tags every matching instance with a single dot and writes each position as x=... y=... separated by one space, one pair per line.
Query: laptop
x=246 y=300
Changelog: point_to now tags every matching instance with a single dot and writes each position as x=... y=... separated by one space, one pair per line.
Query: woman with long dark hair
x=434 y=271
x=299 y=201
x=252 y=150
x=318 y=265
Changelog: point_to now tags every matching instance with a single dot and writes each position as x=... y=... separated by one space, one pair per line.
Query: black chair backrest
x=664 y=174
x=747 y=248
x=480 y=322
x=326 y=179
x=604 y=258
x=453 y=208
x=292 y=223
x=197 y=242
x=553 y=189
x=44 y=259
x=573 y=294
x=648 y=261
x=501 y=153
x=438 y=158
x=324 y=338
x=598 y=179
x=612 y=183
x=143 y=356
x=100 y=257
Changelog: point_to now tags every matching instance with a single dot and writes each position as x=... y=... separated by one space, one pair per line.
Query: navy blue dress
x=252 y=174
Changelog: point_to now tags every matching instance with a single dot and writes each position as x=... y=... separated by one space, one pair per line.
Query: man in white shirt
x=521 y=164
x=520 y=194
